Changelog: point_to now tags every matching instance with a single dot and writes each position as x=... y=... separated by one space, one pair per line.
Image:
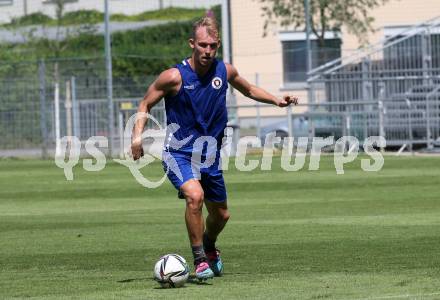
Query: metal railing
x=359 y=55
x=411 y=118
x=401 y=72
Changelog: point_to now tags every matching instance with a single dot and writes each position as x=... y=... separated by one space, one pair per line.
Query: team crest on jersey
x=217 y=83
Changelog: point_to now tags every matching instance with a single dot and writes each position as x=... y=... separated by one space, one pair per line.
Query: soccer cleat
x=203 y=271
x=215 y=262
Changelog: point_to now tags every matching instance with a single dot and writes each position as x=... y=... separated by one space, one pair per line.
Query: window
x=295 y=54
x=6 y=2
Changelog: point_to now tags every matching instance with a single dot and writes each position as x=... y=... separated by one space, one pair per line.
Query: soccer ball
x=171 y=270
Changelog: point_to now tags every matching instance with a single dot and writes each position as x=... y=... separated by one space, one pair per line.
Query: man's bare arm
x=168 y=82
x=254 y=92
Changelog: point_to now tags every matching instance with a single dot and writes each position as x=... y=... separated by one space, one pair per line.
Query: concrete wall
x=252 y=53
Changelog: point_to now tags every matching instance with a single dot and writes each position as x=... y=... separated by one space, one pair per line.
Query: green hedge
x=135 y=53
x=93 y=17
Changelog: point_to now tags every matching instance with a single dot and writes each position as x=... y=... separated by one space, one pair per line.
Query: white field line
x=410 y=296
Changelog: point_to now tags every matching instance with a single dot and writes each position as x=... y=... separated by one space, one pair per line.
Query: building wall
x=128 y=7
x=395 y=13
x=254 y=54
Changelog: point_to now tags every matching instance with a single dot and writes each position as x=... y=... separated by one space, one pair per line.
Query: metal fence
x=391 y=88
x=32 y=125
x=30 y=122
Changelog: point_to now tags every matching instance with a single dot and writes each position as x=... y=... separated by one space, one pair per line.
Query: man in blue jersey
x=195 y=101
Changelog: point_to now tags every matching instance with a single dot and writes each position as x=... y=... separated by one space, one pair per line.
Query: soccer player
x=195 y=100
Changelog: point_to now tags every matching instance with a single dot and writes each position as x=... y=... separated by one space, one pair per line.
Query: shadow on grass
x=191 y=280
x=134 y=279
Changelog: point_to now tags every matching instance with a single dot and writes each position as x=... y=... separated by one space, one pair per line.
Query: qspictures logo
x=346 y=150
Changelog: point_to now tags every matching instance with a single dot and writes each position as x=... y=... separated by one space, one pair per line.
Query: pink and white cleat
x=203 y=271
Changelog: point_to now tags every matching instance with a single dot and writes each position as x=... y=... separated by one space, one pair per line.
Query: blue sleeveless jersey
x=199 y=108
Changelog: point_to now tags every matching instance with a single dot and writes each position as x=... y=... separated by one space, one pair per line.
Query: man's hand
x=137 y=150
x=287 y=100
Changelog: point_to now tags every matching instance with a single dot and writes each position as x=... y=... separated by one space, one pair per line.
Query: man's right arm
x=168 y=83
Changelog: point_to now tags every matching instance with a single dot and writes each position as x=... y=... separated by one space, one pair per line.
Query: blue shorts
x=180 y=168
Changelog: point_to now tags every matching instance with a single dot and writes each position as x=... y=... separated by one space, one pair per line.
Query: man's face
x=204 y=46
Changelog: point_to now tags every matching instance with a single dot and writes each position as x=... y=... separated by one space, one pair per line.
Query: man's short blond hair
x=211 y=25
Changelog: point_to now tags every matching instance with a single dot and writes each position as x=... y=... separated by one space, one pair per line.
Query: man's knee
x=194 y=195
x=225 y=215
x=222 y=215
x=194 y=199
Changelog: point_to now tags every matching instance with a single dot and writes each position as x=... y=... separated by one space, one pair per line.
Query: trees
x=326 y=15
x=63 y=34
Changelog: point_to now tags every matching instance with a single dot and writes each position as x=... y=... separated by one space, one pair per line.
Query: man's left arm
x=256 y=93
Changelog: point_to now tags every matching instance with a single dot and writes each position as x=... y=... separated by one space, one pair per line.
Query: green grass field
x=292 y=235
